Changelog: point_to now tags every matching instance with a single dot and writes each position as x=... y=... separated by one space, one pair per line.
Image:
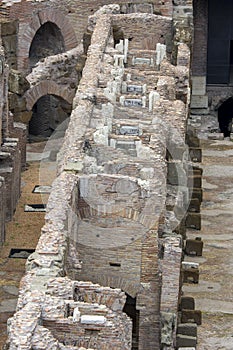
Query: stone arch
x=218 y=100
x=225 y=116
x=47 y=41
x=49 y=114
x=130 y=288
x=47 y=87
x=47 y=15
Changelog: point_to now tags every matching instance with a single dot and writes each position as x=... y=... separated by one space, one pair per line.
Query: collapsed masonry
x=117 y=212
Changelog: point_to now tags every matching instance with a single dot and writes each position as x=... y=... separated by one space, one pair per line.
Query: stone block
x=194 y=206
x=185 y=340
x=92 y=319
x=73 y=166
x=16 y=103
x=197 y=193
x=197 y=170
x=190 y=276
x=195 y=154
x=9 y=28
x=193 y=220
x=195 y=181
x=199 y=86
x=199 y=101
x=216 y=136
x=194 y=247
x=200 y=111
x=189 y=265
x=191 y=138
x=181 y=229
x=144 y=8
x=187 y=303
x=191 y=316
x=17 y=83
x=189 y=329
x=176 y=174
x=23 y=117
x=129 y=130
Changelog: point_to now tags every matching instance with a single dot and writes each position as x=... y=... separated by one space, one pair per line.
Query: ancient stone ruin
x=107 y=271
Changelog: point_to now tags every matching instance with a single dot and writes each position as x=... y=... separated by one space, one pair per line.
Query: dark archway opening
x=130 y=310
x=47 y=114
x=225 y=115
x=47 y=41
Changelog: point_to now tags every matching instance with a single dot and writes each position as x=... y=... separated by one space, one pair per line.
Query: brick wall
x=71 y=19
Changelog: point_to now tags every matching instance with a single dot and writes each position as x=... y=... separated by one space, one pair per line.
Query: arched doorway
x=133 y=313
x=225 y=115
x=48 y=113
x=47 y=41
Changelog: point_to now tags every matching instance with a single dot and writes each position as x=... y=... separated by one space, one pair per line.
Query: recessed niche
x=41 y=189
x=20 y=253
x=35 y=208
x=115 y=264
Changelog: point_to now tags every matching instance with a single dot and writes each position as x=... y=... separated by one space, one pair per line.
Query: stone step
x=185 y=340
x=191 y=316
x=189 y=329
x=132 y=101
x=125 y=113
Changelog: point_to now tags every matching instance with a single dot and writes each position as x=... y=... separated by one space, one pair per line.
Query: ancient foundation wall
x=12 y=152
x=113 y=212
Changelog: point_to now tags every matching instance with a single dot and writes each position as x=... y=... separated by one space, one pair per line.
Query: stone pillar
x=148 y=301
x=199 y=99
x=2 y=210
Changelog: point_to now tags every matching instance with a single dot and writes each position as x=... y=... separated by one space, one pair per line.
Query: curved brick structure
x=27 y=34
x=47 y=87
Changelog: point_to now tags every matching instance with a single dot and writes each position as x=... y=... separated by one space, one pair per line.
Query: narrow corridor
x=22 y=232
x=214 y=293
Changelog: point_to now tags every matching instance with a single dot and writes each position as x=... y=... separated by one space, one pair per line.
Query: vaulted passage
x=48 y=113
x=225 y=115
x=47 y=41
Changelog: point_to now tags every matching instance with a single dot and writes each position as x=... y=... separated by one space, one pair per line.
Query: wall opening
x=47 y=114
x=47 y=41
x=130 y=310
x=225 y=115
